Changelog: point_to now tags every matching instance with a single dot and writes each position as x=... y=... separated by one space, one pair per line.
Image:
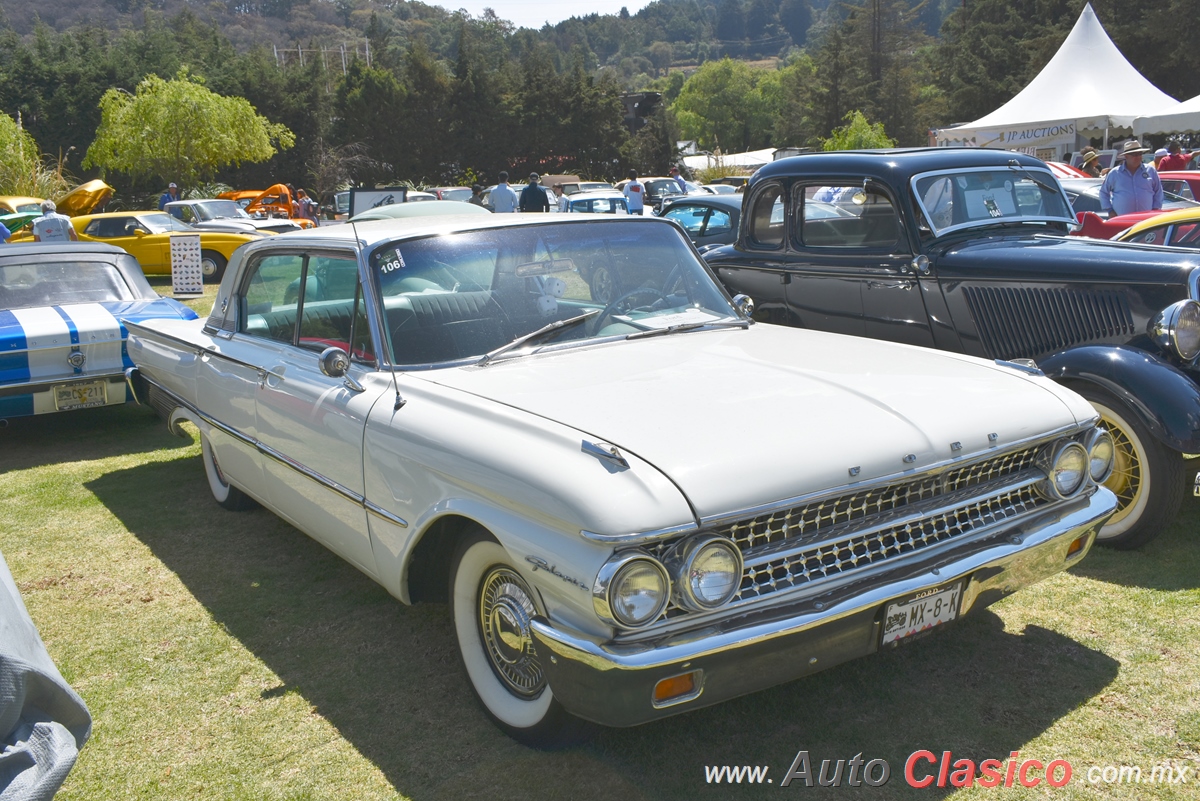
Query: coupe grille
x=1016 y=322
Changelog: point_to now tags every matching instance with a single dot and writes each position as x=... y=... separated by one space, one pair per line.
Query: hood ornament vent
x=605 y=451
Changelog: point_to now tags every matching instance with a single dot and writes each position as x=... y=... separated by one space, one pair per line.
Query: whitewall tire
x=224 y=493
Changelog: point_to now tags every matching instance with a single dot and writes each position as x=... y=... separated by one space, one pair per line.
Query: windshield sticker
x=396 y=262
x=989 y=202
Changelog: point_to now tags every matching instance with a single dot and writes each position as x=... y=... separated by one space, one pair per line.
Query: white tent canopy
x=751 y=160
x=1182 y=119
x=1088 y=89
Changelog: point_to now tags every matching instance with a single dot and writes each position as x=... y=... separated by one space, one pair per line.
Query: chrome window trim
x=271 y=453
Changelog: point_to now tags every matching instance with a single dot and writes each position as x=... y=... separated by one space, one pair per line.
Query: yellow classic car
x=1179 y=228
x=146 y=235
x=14 y=204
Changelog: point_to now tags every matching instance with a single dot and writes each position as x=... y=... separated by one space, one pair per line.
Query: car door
x=852 y=255
x=127 y=233
x=311 y=425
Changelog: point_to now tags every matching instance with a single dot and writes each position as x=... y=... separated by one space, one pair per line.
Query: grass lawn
x=227 y=656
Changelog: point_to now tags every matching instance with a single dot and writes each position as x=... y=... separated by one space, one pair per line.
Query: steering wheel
x=615 y=305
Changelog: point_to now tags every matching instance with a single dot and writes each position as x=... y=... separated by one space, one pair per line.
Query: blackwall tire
x=225 y=494
x=490 y=605
x=1147 y=477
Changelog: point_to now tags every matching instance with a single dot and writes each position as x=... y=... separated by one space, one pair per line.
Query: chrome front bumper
x=613 y=683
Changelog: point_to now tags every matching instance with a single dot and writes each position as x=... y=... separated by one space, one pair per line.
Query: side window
x=767 y=216
x=332 y=314
x=1186 y=235
x=719 y=222
x=272 y=295
x=1155 y=236
x=690 y=217
x=847 y=216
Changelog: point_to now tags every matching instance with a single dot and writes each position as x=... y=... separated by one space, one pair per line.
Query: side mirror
x=335 y=363
x=920 y=265
x=139 y=233
x=744 y=305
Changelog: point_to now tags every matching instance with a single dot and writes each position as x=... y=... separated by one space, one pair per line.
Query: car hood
x=84 y=199
x=737 y=418
x=35 y=342
x=1043 y=258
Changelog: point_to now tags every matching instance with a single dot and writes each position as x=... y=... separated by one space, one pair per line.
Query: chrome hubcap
x=505 y=612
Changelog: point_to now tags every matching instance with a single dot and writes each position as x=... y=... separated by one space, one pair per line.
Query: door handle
x=264 y=374
x=905 y=285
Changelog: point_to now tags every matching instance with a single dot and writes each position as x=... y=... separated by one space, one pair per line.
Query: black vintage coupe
x=966 y=250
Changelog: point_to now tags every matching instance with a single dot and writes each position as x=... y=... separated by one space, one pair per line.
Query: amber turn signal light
x=677 y=688
x=1076 y=545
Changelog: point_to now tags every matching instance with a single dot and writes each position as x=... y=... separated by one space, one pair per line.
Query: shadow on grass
x=83 y=435
x=387 y=676
x=1169 y=562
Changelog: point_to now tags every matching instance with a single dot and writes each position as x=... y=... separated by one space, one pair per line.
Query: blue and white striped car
x=62 y=341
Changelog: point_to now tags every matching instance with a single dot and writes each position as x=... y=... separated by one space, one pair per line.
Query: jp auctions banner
x=187 y=275
x=1038 y=135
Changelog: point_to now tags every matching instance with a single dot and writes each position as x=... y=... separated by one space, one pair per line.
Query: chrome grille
x=1026 y=322
x=812 y=519
x=859 y=550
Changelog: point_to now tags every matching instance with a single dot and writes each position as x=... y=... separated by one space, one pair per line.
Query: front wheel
x=224 y=493
x=1147 y=477
x=212 y=266
x=492 y=607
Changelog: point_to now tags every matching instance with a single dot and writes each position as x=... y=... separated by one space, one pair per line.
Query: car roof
x=65 y=248
x=729 y=201
x=896 y=165
x=102 y=215
x=376 y=232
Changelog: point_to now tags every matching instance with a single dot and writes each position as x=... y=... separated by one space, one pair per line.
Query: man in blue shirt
x=171 y=195
x=503 y=198
x=1133 y=186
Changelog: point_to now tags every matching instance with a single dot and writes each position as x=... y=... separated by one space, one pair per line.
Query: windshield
x=162 y=223
x=53 y=283
x=968 y=198
x=460 y=296
x=219 y=209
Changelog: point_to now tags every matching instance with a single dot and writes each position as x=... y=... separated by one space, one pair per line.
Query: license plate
x=80 y=396
x=920 y=612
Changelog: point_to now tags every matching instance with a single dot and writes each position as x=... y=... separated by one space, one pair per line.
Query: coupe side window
x=767 y=218
x=719 y=222
x=1186 y=235
x=271 y=297
x=690 y=217
x=332 y=314
x=847 y=216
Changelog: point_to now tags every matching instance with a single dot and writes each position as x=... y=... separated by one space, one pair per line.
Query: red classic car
x=1185 y=183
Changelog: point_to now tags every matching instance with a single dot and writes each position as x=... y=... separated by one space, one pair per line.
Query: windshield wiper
x=681 y=327
x=553 y=327
x=1015 y=165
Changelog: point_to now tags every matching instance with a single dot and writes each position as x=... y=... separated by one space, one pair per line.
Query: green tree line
x=447 y=98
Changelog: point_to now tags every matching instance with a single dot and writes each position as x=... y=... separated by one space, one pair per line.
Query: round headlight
x=1101 y=453
x=707 y=572
x=639 y=592
x=1069 y=469
x=1177 y=329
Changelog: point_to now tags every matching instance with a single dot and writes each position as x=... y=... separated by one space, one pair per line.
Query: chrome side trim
x=639 y=537
x=271 y=453
x=198 y=350
x=953 y=462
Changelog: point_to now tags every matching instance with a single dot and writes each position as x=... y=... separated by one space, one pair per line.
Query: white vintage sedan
x=635 y=507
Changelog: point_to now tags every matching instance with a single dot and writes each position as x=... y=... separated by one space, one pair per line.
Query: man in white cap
x=1132 y=186
x=52 y=226
x=171 y=194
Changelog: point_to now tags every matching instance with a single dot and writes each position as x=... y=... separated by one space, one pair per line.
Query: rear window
x=57 y=283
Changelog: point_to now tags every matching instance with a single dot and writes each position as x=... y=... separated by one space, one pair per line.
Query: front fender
x=1164 y=397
